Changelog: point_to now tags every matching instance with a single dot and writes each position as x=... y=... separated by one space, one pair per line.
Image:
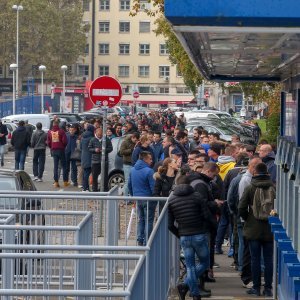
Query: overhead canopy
x=238 y=40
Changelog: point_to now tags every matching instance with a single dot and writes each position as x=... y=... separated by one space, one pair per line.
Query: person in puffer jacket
x=194 y=223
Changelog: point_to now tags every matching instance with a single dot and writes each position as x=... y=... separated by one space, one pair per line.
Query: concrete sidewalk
x=228 y=285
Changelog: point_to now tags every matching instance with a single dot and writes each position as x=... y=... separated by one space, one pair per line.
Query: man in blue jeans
x=141 y=183
x=194 y=221
x=257 y=231
x=20 y=140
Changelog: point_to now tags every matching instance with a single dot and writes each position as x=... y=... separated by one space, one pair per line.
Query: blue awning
x=239 y=40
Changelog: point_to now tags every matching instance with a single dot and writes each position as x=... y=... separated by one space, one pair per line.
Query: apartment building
x=127 y=49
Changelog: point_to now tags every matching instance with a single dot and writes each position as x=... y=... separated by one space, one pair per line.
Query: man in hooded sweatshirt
x=141 y=183
x=227 y=161
x=57 y=142
x=267 y=155
x=38 y=143
x=20 y=140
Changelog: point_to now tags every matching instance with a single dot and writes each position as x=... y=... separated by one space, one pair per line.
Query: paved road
x=46 y=185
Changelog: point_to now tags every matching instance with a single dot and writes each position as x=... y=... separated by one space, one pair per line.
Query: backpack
x=263 y=202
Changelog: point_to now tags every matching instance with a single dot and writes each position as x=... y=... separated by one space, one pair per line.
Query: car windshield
x=8 y=184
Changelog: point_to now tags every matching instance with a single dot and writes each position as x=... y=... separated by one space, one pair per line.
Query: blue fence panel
x=25 y=105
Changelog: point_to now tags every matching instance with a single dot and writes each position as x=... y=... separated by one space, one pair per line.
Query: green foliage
x=50 y=33
x=273 y=125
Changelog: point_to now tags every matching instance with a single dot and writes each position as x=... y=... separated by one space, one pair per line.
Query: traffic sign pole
x=103 y=173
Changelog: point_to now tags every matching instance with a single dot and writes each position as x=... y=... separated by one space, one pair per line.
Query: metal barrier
x=125 y=272
x=286 y=226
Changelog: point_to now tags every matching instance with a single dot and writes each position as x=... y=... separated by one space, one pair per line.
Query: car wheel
x=116 y=179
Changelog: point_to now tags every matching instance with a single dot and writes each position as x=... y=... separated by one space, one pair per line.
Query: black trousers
x=38 y=162
x=246 y=274
x=96 y=171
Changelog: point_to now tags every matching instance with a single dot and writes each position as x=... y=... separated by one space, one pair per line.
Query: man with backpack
x=255 y=207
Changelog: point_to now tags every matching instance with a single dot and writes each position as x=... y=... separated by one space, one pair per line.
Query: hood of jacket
x=140 y=164
x=222 y=159
x=269 y=157
x=183 y=190
x=55 y=128
x=262 y=181
x=195 y=175
x=21 y=128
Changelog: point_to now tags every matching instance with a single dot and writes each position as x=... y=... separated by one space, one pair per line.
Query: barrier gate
x=286 y=226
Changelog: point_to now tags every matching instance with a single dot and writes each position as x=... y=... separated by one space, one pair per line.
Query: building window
x=103 y=70
x=124 y=49
x=164 y=90
x=87 y=49
x=144 y=26
x=104 y=4
x=86 y=5
x=124 y=4
x=144 y=4
x=164 y=71
x=163 y=50
x=144 y=49
x=83 y=70
x=103 y=49
x=104 y=26
x=182 y=90
x=144 y=71
x=123 y=71
x=1 y=71
x=144 y=89
x=124 y=26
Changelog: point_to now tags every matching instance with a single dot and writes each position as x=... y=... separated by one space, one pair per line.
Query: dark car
x=68 y=117
x=86 y=116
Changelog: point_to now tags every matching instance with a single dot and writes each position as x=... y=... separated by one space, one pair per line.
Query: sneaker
x=35 y=178
x=182 y=290
x=248 y=285
x=85 y=190
x=80 y=186
x=267 y=292
x=56 y=184
x=253 y=291
x=66 y=183
x=230 y=252
x=39 y=180
x=74 y=183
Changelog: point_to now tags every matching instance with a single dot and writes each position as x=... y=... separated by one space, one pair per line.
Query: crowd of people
x=215 y=188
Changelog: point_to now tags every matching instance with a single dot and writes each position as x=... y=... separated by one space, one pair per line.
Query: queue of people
x=216 y=189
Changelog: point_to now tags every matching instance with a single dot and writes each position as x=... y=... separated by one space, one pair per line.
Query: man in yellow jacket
x=227 y=161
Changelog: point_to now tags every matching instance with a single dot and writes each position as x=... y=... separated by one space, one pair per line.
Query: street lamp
x=17 y=8
x=64 y=68
x=42 y=69
x=14 y=68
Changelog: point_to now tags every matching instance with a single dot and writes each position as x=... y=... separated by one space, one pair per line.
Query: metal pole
x=42 y=92
x=64 y=91
x=17 y=56
x=103 y=175
x=14 y=92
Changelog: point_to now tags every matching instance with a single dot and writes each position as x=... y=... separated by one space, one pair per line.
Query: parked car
x=11 y=180
x=69 y=117
x=90 y=115
x=32 y=119
x=11 y=127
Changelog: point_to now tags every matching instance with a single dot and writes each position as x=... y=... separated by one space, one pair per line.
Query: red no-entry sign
x=105 y=91
x=136 y=94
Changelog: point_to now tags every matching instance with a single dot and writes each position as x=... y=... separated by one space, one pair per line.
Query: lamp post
x=42 y=69
x=64 y=68
x=17 y=8
x=14 y=68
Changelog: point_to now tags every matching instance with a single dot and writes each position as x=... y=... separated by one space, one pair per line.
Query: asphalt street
x=46 y=185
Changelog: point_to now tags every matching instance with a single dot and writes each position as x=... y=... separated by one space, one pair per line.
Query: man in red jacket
x=57 y=142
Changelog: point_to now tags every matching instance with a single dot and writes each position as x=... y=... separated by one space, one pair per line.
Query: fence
x=86 y=272
x=286 y=226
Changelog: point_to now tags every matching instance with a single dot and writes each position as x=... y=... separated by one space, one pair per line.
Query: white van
x=32 y=119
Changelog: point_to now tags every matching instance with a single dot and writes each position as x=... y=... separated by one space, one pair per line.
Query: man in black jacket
x=3 y=134
x=194 y=221
x=95 y=147
x=20 y=140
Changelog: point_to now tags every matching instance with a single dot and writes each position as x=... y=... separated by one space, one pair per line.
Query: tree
x=51 y=32
x=177 y=54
